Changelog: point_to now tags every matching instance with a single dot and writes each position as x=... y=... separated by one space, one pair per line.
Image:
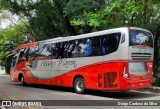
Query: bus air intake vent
x=141 y=56
x=110 y=79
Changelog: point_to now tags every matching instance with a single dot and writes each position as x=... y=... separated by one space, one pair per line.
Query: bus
x=110 y=60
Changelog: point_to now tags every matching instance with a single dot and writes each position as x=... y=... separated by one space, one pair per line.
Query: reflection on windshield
x=138 y=37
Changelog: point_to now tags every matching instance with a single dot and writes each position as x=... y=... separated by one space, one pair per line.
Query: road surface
x=14 y=91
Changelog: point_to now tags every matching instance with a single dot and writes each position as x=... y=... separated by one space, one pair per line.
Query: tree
x=9 y=39
x=50 y=18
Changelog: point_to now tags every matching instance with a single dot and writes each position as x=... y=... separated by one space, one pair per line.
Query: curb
x=154 y=87
x=4 y=74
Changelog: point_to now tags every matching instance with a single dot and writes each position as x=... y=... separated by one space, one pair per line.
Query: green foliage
x=10 y=38
x=76 y=7
x=77 y=22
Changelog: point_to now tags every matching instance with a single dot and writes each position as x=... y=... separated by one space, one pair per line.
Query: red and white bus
x=115 y=59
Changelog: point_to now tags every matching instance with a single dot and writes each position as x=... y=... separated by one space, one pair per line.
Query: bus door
x=27 y=59
x=23 y=62
x=13 y=66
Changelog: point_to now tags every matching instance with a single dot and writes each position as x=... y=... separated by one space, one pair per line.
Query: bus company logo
x=6 y=103
x=60 y=62
x=141 y=38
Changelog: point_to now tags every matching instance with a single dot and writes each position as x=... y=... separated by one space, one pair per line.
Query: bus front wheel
x=79 y=85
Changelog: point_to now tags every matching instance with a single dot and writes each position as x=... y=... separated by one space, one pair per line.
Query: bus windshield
x=139 y=37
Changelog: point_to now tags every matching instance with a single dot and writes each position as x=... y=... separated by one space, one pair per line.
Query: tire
x=79 y=85
x=23 y=83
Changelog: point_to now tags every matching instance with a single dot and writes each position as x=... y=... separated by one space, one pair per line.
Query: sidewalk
x=155 y=87
x=2 y=73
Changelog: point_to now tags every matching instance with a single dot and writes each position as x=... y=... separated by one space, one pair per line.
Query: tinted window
x=71 y=48
x=138 y=37
x=42 y=53
x=46 y=50
x=110 y=43
x=59 y=50
x=33 y=50
x=14 y=58
x=62 y=49
x=66 y=49
x=78 y=50
x=93 y=46
x=53 y=51
x=96 y=46
x=23 y=55
x=87 y=46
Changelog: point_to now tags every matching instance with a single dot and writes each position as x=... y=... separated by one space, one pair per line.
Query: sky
x=4 y=23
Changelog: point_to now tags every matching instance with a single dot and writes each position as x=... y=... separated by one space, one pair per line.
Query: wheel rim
x=79 y=85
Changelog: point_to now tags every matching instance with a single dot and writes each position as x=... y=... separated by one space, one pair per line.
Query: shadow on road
x=123 y=94
x=139 y=94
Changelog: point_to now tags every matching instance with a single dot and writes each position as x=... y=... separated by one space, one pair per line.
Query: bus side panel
x=96 y=76
x=16 y=70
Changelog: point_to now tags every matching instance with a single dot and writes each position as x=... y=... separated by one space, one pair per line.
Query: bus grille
x=141 y=56
x=109 y=79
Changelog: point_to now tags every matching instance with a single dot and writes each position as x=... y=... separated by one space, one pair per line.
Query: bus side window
x=96 y=46
x=22 y=56
x=104 y=46
x=110 y=43
x=44 y=53
x=88 y=47
x=27 y=54
x=32 y=52
x=62 y=50
x=14 y=58
x=82 y=47
x=65 y=46
x=78 y=49
x=53 y=51
x=57 y=50
x=70 y=48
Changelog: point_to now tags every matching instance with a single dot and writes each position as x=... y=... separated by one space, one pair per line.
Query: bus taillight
x=126 y=73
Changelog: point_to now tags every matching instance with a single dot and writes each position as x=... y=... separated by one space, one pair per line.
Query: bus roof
x=61 y=39
x=98 y=33
x=31 y=44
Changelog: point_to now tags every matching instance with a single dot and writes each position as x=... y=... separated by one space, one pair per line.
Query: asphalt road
x=14 y=91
